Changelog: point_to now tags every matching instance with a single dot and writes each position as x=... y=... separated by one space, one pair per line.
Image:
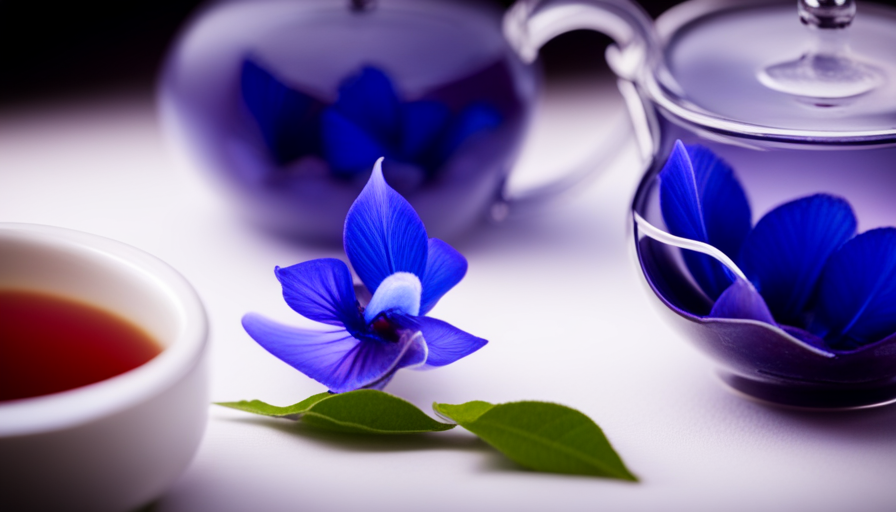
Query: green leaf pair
x=538 y=435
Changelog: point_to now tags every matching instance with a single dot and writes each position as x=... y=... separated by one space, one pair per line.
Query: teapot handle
x=529 y=24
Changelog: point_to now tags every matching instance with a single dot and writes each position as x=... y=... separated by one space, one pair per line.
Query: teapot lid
x=819 y=70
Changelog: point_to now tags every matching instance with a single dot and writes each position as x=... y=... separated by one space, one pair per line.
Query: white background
x=556 y=294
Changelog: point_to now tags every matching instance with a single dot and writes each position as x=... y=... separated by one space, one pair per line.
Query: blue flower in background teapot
x=367 y=121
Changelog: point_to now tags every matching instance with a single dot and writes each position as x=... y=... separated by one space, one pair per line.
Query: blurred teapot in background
x=289 y=103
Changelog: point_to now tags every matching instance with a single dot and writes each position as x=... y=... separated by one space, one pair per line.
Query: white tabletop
x=557 y=296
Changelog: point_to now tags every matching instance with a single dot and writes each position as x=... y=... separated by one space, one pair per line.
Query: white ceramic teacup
x=118 y=443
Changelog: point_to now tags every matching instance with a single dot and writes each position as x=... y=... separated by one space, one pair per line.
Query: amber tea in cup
x=50 y=344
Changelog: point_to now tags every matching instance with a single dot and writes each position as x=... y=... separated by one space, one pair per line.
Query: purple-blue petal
x=474 y=119
x=726 y=217
x=785 y=253
x=287 y=118
x=683 y=214
x=742 y=301
x=321 y=290
x=348 y=148
x=421 y=123
x=383 y=234
x=447 y=343
x=370 y=101
x=726 y=211
x=699 y=191
x=679 y=197
x=334 y=357
x=445 y=267
x=857 y=290
x=414 y=357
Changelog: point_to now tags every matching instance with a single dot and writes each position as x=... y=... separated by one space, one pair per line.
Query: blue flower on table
x=807 y=269
x=367 y=120
x=406 y=273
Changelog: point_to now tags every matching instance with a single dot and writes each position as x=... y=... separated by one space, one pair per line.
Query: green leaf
x=365 y=411
x=290 y=411
x=541 y=436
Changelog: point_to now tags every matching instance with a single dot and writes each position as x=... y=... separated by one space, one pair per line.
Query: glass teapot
x=763 y=224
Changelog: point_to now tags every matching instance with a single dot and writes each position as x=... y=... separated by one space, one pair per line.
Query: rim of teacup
x=92 y=402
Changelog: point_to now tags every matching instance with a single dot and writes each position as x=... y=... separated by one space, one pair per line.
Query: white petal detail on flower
x=400 y=292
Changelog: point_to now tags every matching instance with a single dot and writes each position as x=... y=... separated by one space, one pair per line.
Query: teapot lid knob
x=827 y=74
x=827 y=13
